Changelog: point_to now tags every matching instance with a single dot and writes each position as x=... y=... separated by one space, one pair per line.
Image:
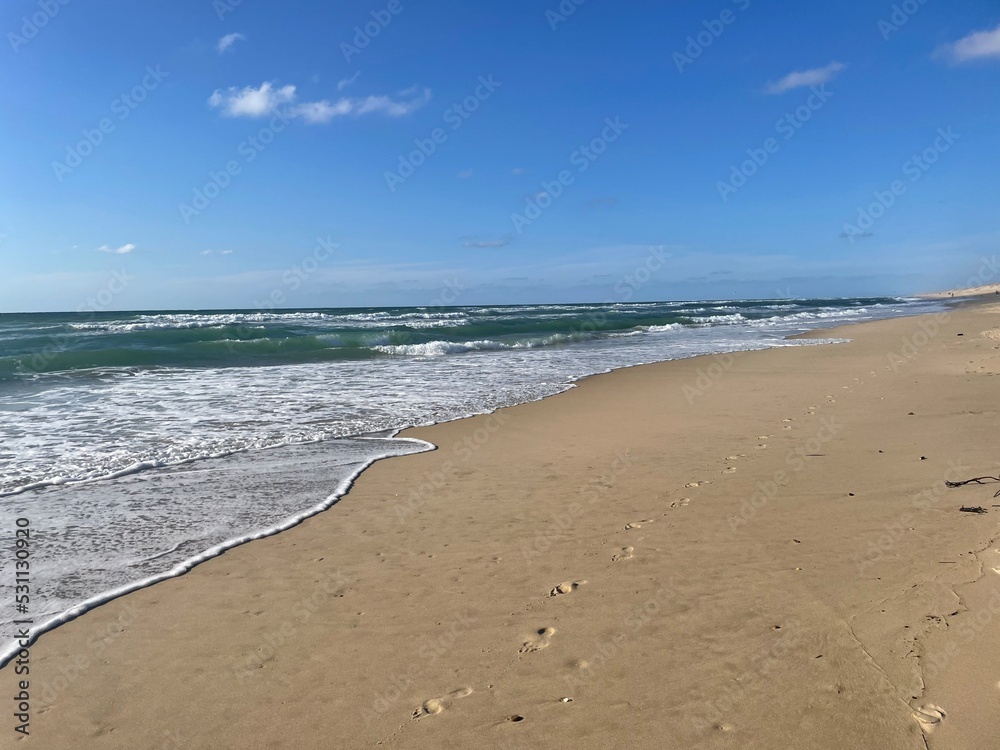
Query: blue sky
x=248 y=154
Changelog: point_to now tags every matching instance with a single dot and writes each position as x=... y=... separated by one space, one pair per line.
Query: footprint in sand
x=637 y=524
x=681 y=503
x=566 y=587
x=691 y=485
x=437 y=705
x=735 y=458
x=625 y=554
x=729 y=470
x=929 y=716
x=538 y=641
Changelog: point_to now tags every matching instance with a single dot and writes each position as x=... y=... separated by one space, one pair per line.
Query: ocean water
x=139 y=443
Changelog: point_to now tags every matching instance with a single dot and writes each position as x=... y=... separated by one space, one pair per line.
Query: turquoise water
x=90 y=395
x=47 y=343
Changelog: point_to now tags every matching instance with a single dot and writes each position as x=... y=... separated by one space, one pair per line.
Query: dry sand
x=754 y=550
x=975 y=291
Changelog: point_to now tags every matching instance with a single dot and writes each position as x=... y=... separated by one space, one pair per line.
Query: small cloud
x=216 y=252
x=812 y=77
x=123 y=250
x=518 y=170
x=390 y=106
x=316 y=113
x=250 y=101
x=466 y=173
x=345 y=82
x=483 y=244
x=978 y=45
x=266 y=99
x=225 y=252
x=228 y=41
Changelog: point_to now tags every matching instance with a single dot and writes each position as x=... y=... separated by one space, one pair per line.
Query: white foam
x=9 y=651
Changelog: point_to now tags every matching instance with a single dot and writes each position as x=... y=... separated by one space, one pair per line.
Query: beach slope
x=749 y=550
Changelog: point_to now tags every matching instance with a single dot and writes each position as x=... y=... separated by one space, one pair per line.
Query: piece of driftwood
x=975 y=480
x=973 y=509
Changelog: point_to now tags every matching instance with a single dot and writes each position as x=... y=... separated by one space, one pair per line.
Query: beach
x=755 y=549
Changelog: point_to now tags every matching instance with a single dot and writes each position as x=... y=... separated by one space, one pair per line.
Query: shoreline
x=376 y=490
x=8 y=653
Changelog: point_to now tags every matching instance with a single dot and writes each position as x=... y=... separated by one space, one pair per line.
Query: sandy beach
x=748 y=550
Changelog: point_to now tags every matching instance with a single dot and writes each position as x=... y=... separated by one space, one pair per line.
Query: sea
x=134 y=445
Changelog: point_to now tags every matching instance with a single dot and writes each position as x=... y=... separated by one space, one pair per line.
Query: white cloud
x=123 y=250
x=265 y=100
x=251 y=102
x=344 y=83
x=975 y=46
x=390 y=106
x=469 y=242
x=812 y=77
x=228 y=41
x=319 y=112
x=214 y=252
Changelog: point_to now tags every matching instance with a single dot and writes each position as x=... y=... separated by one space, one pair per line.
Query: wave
x=32 y=346
x=8 y=652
